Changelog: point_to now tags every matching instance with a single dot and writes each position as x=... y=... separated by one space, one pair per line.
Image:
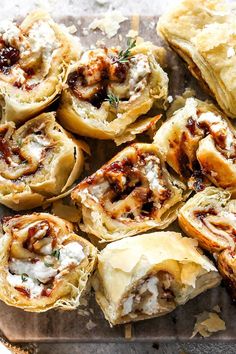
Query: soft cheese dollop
x=71 y=254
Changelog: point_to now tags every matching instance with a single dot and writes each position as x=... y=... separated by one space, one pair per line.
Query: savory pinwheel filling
x=38 y=258
x=151 y=295
x=132 y=189
x=101 y=74
x=219 y=223
x=25 y=57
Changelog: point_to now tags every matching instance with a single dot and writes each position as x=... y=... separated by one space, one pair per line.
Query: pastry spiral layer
x=203 y=33
x=130 y=194
x=39 y=160
x=210 y=217
x=43 y=263
x=149 y=275
x=198 y=138
x=106 y=95
x=34 y=62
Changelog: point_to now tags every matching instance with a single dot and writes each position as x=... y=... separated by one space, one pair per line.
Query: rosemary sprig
x=125 y=55
x=113 y=100
x=24 y=277
x=48 y=264
x=56 y=253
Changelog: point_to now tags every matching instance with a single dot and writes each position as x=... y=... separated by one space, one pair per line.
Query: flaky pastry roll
x=210 y=217
x=108 y=90
x=34 y=62
x=149 y=275
x=130 y=194
x=39 y=160
x=203 y=33
x=43 y=263
x=199 y=138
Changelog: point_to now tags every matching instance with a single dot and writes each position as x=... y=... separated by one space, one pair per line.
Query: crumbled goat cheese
x=19 y=75
x=72 y=253
x=170 y=99
x=29 y=284
x=47 y=249
x=230 y=52
x=38 y=270
x=128 y=305
x=9 y=31
x=99 y=189
x=151 y=170
x=139 y=69
x=109 y=24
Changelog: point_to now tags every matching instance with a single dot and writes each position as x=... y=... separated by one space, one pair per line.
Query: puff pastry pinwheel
x=130 y=194
x=203 y=33
x=43 y=263
x=109 y=90
x=210 y=217
x=31 y=161
x=34 y=62
x=199 y=138
x=149 y=275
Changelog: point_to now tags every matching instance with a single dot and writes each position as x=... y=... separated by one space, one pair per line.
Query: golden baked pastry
x=149 y=275
x=34 y=62
x=203 y=33
x=39 y=160
x=130 y=194
x=108 y=90
x=43 y=263
x=199 y=138
x=210 y=217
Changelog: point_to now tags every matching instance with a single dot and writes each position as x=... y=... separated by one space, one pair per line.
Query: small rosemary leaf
x=24 y=277
x=48 y=264
x=56 y=253
x=113 y=100
x=125 y=55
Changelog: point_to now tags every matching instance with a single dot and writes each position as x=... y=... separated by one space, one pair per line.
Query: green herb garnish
x=48 y=264
x=56 y=253
x=24 y=277
x=125 y=55
x=113 y=100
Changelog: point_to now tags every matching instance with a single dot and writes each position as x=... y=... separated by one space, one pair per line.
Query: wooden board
x=20 y=326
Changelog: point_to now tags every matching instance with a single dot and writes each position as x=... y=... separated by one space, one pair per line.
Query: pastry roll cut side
x=210 y=217
x=149 y=275
x=132 y=193
x=35 y=57
x=108 y=94
x=43 y=263
x=199 y=139
x=203 y=33
x=31 y=160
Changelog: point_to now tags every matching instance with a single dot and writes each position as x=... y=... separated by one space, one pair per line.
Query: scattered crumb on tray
x=132 y=34
x=72 y=29
x=109 y=24
x=208 y=323
x=102 y=2
x=90 y=325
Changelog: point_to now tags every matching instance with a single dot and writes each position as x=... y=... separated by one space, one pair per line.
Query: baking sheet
x=88 y=323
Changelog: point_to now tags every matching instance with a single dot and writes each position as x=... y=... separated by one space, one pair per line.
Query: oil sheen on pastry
x=149 y=275
x=198 y=138
x=43 y=263
x=130 y=194
x=39 y=160
x=34 y=61
x=108 y=92
x=203 y=33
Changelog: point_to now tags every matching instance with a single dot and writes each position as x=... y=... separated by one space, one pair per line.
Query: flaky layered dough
x=210 y=217
x=37 y=161
x=203 y=33
x=198 y=140
x=43 y=263
x=106 y=97
x=132 y=193
x=35 y=58
x=149 y=275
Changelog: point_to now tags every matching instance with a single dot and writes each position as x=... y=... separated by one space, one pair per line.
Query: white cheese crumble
x=19 y=74
x=9 y=31
x=38 y=270
x=170 y=99
x=139 y=69
x=72 y=253
x=28 y=284
x=151 y=170
x=230 y=52
x=109 y=24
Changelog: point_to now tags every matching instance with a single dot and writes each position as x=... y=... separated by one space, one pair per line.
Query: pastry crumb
x=230 y=52
x=90 y=325
x=109 y=24
x=72 y=29
x=132 y=34
x=208 y=323
x=170 y=99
